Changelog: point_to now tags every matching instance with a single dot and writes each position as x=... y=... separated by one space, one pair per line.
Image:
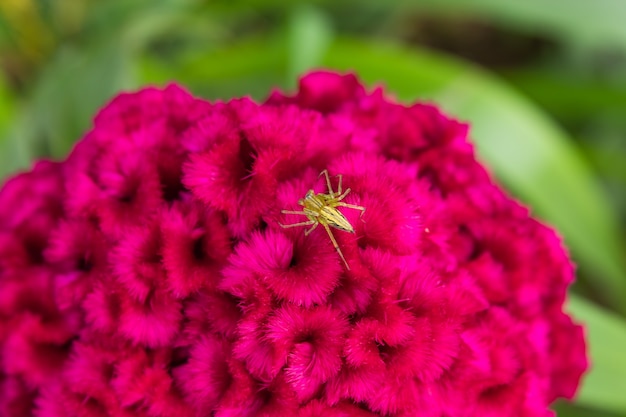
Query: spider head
x=308 y=195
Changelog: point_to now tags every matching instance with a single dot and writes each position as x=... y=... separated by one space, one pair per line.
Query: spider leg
x=286 y=226
x=352 y=206
x=332 y=238
x=342 y=196
x=308 y=232
x=293 y=212
x=339 y=185
x=330 y=187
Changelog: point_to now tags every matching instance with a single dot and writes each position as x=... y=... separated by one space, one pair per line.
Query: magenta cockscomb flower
x=149 y=274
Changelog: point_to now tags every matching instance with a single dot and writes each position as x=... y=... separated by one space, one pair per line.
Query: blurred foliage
x=542 y=82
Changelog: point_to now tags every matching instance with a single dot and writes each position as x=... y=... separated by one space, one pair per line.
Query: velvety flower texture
x=148 y=274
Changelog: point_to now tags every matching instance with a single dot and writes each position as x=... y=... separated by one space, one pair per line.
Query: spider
x=322 y=209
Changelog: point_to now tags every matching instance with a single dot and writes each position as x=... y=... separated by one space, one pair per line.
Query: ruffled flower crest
x=149 y=274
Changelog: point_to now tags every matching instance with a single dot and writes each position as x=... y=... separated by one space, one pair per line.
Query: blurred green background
x=543 y=83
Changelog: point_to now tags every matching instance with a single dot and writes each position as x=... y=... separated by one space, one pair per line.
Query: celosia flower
x=149 y=275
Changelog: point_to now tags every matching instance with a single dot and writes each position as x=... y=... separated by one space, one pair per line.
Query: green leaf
x=6 y=106
x=68 y=94
x=598 y=23
x=245 y=69
x=13 y=152
x=81 y=79
x=565 y=408
x=309 y=36
x=570 y=97
x=604 y=386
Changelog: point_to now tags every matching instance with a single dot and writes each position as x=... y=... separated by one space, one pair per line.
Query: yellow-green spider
x=322 y=209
